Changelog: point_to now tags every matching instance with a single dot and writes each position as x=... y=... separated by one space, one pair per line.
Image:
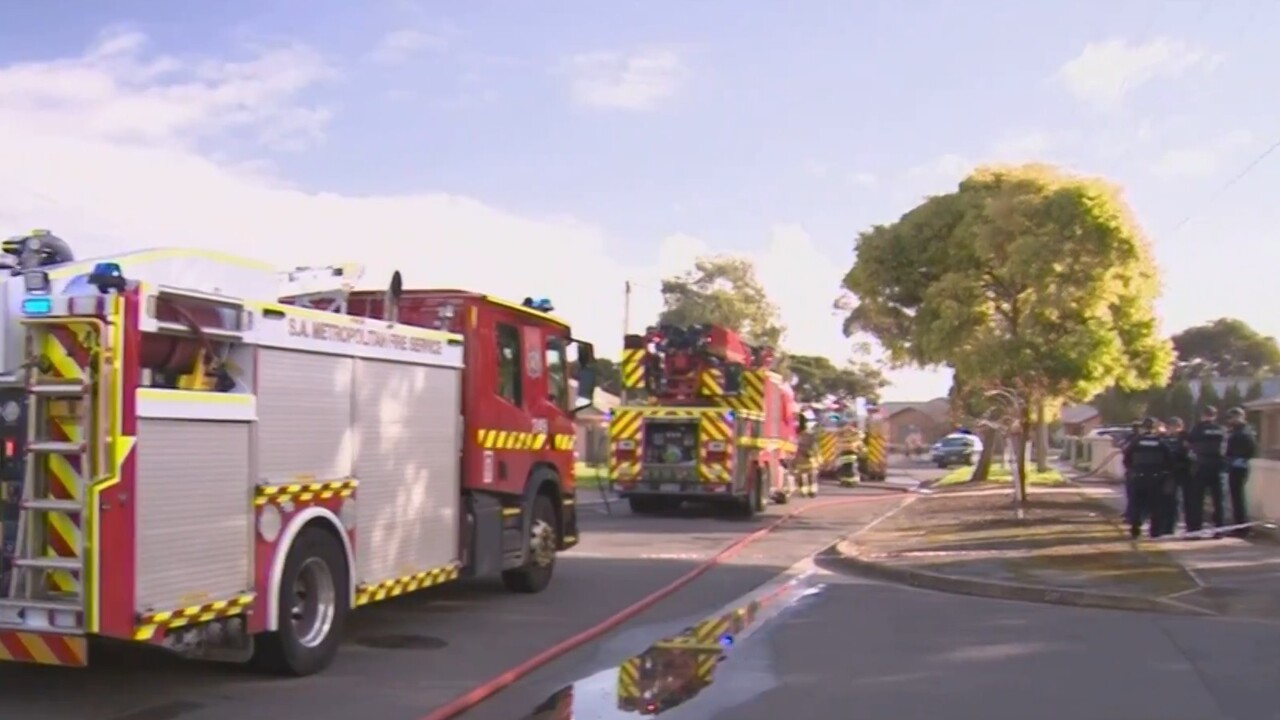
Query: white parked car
x=956 y=449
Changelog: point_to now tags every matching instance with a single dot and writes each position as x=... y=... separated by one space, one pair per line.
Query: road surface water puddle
x=672 y=677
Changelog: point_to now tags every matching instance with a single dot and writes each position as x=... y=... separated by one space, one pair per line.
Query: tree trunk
x=1042 y=440
x=982 y=470
x=1020 y=447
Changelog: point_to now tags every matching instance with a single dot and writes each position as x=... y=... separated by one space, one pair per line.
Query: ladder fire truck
x=717 y=424
x=189 y=461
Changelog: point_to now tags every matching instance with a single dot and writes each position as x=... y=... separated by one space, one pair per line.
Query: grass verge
x=590 y=476
x=1001 y=474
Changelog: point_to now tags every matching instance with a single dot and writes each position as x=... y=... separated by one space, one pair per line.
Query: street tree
x=816 y=378
x=1226 y=347
x=1232 y=397
x=1254 y=392
x=1024 y=279
x=1208 y=396
x=722 y=290
x=1182 y=403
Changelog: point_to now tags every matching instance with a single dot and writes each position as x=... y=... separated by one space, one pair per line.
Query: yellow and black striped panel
x=710 y=383
x=826 y=447
x=304 y=492
x=152 y=625
x=875 y=451
x=629 y=679
x=751 y=396
x=632 y=369
x=518 y=440
x=366 y=594
x=715 y=427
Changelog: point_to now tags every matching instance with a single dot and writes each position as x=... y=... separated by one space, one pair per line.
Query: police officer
x=1242 y=446
x=1147 y=462
x=1179 y=475
x=1206 y=438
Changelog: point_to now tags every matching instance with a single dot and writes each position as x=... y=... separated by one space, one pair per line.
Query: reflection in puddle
x=676 y=669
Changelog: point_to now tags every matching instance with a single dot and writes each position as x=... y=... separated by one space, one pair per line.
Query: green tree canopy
x=1025 y=278
x=817 y=377
x=1182 y=403
x=1254 y=392
x=1208 y=396
x=1232 y=397
x=1226 y=347
x=722 y=290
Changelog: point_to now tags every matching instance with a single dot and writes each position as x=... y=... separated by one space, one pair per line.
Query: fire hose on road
x=489 y=688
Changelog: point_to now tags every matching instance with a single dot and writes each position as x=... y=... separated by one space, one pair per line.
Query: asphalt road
x=871 y=651
x=406 y=656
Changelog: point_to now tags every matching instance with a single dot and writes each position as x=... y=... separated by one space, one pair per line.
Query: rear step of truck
x=42 y=608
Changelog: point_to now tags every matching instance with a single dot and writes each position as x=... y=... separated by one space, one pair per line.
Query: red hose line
x=492 y=686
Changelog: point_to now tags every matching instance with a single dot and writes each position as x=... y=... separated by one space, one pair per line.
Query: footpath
x=1068 y=545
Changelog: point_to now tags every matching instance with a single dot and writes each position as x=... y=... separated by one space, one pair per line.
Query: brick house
x=930 y=419
x=592 y=424
x=1265 y=416
x=1080 y=420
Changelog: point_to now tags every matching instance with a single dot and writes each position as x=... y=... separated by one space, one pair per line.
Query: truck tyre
x=540 y=563
x=313 y=601
x=760 y=498
x=753 y=503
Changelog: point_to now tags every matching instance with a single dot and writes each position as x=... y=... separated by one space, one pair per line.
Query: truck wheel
x=312 y=608
x=760 y=498
x=535 y=575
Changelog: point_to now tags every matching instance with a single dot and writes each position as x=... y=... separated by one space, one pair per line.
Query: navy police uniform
x=1179 y=476
x=1205 y=439
x=1147 y=461
x=1242 y=447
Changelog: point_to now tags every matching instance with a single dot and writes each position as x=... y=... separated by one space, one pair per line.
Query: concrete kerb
x=840 y=557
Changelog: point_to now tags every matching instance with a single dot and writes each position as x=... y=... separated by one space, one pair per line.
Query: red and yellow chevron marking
x=713 y=426
x=44 y=649
x=710 y=383
x=751 y=396
x=826 y=451
x=629 y=679
x=66 y=355
x=874 y=448
x=386 y=589
x=625 y=424
x=153 y=625
x=632 y=369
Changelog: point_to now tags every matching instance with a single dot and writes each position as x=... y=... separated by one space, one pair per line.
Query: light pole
x=1016 y=471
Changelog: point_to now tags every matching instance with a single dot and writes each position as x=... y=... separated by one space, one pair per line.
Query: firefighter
x=806 y=461
x=1147 y=462
x=1206 y=438
x=1242 y=446
x=1179 y=475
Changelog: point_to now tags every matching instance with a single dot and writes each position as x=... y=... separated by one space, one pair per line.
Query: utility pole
x=626 y=327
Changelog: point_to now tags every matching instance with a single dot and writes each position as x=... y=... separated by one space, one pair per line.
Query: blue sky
x=484 y=140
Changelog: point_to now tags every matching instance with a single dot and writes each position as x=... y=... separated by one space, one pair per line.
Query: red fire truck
x=716 y=424
x=189 y=462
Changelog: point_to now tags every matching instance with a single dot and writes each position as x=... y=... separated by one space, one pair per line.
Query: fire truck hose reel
x=491 y=687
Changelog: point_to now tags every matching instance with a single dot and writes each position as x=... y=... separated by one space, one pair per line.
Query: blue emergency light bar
x=539 y=304
x=37 y=306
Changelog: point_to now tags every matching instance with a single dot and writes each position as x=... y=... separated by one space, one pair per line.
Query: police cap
x=1209 y=411
x=1149 y=423
x=1235 y=413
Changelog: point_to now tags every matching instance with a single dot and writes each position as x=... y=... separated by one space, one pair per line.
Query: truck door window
x=508 y=337
x=557 y=374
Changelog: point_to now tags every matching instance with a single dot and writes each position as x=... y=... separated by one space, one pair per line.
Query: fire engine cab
x=717 y=424
x=192 y=462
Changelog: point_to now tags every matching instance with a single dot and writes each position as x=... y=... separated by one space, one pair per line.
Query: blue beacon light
x=41 y=305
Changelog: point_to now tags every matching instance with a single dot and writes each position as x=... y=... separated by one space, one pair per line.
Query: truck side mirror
x=586 y=354
x=586 y=388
